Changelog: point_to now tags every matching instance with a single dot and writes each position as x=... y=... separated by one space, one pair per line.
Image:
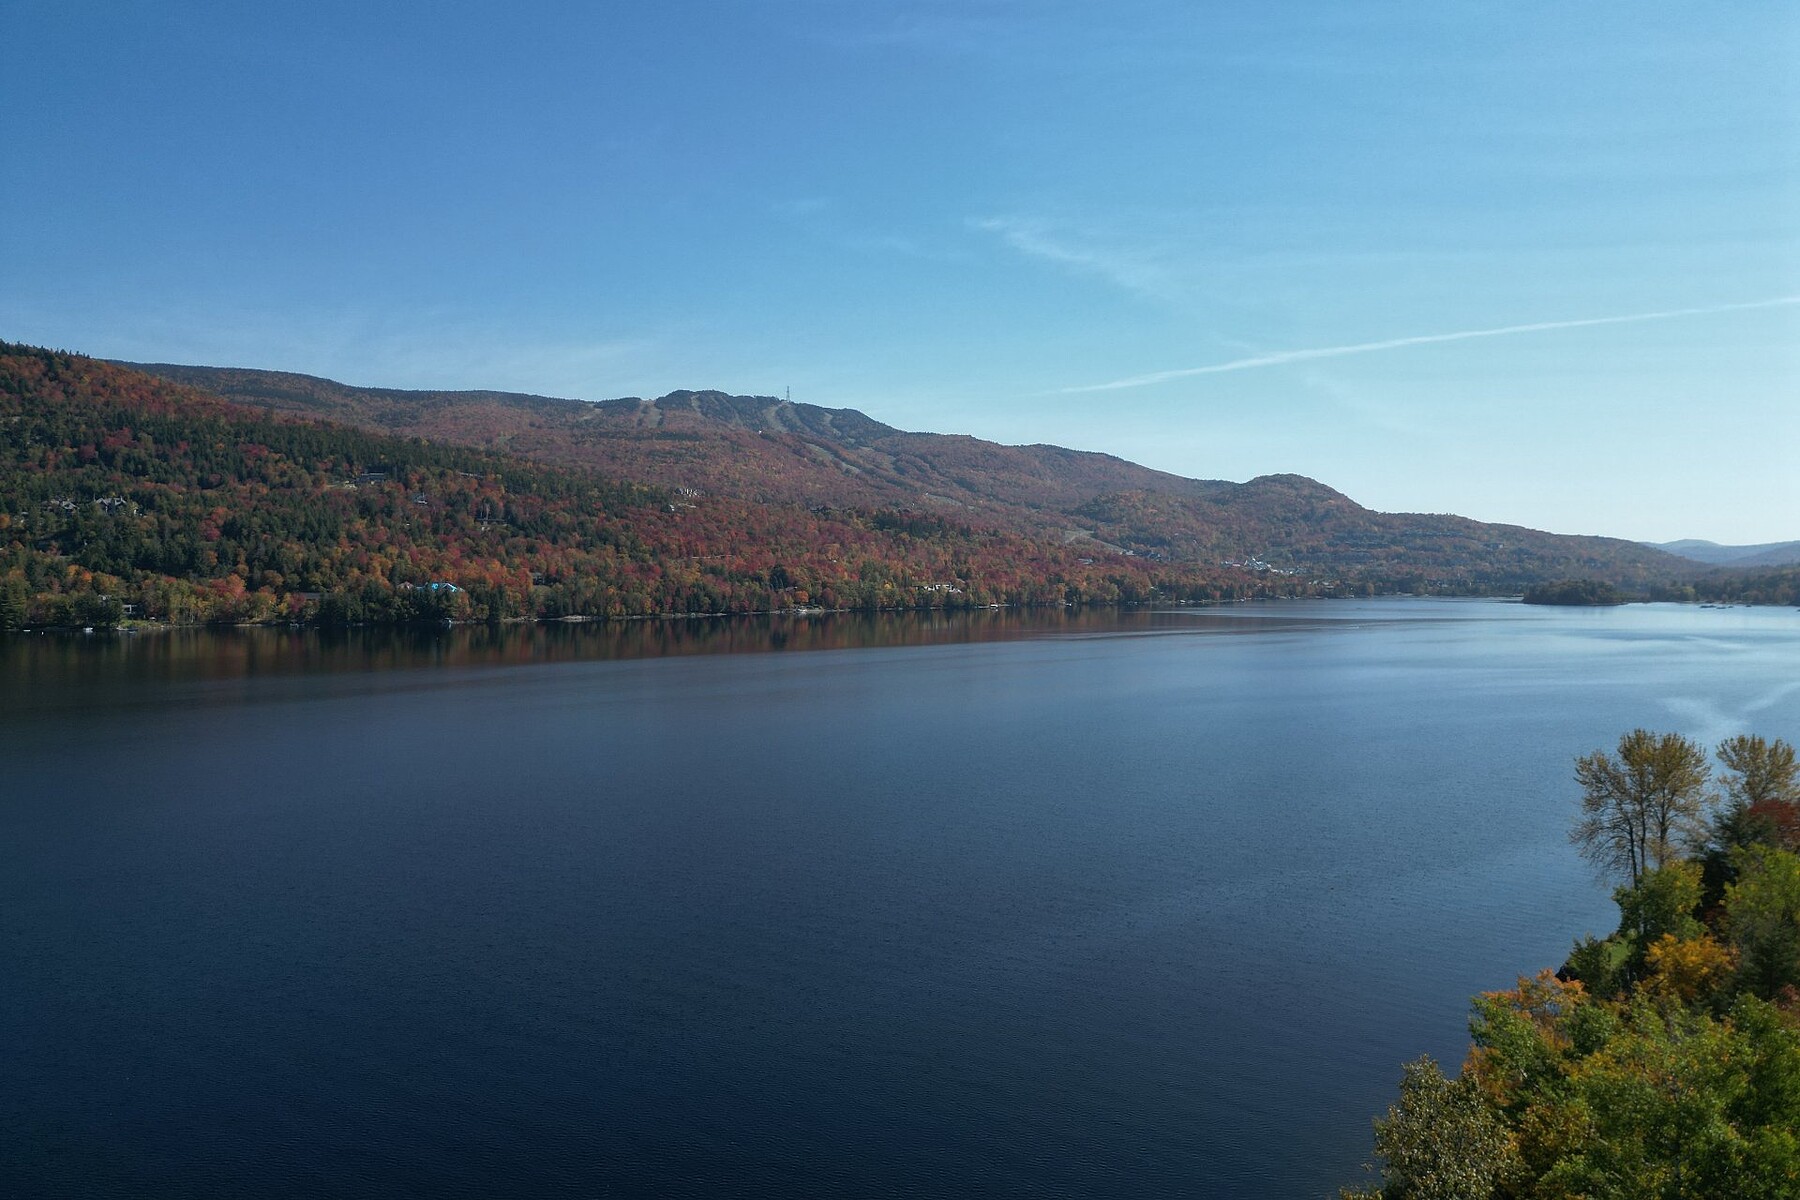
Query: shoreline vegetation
x=1664 y=1059
x=1585 y=593
x=128 y=499
x=134 y=625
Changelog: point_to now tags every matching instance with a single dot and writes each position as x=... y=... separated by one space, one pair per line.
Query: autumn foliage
x=125 y=495
x=766 y=451
x=1662 y=1061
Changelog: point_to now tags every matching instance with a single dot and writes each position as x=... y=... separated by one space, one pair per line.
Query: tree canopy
x=1661 y=1062
x=1761 y=786
x=1640 y=806
x=1583 y=592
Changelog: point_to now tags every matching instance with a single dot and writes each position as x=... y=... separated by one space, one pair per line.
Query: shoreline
x=154 y=627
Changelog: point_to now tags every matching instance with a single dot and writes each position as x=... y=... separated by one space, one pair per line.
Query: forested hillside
x=122 y=494
x=762 y=449
x=288 y=497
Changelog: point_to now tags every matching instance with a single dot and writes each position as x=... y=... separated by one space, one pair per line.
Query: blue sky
x=1033 y=222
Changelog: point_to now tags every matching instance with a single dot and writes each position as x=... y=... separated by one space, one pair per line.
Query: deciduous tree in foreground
x=1761 y=790
x=1640 y=807
x=1662 y=1061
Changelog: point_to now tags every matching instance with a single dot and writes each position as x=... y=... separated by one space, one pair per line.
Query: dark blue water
x=1151 y=904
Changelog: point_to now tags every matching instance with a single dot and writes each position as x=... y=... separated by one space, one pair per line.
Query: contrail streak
x=1289 y=356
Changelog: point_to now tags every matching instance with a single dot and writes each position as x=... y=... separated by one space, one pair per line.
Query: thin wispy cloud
x=829 y=221
x=802 y=206
x=1131 y=270
x=1381 y=416
x=1282 y=357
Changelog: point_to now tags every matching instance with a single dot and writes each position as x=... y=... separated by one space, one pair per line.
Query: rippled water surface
x=1113 y=904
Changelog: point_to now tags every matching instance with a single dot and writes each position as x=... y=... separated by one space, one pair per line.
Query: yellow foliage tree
x=1688 y=969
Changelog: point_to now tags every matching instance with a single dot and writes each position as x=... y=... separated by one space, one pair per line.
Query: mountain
x=767 y=451
x=757 y=447
x=125 y=494
x=1767 y=554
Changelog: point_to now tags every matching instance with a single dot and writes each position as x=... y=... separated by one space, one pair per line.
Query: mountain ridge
x=298 y=498
x=1763 y=554
x=767 y=450
x=881 y=456
x=127 y=495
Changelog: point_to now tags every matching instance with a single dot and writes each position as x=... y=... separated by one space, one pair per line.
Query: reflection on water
x=177 y=654
x=214 y=653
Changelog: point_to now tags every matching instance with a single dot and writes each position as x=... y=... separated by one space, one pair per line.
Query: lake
x=1098 y=904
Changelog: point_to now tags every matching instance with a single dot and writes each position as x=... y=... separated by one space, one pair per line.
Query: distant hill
x=757 y=447
x=764 y=450
x=1767 y=554
x=125 y=494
